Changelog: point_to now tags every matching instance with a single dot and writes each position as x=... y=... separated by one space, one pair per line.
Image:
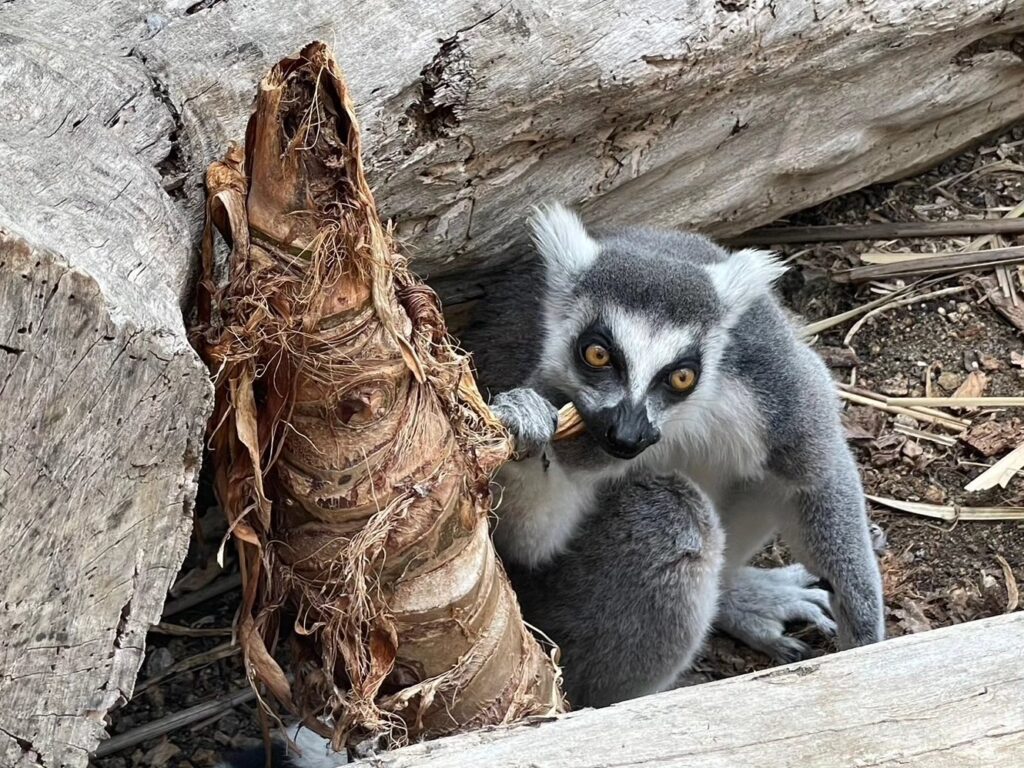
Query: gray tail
x=256 y=757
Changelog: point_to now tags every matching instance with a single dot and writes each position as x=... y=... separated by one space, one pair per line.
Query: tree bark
x=721 y=116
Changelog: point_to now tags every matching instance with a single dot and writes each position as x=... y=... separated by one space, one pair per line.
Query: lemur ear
x=562 y=240
x=745 y=276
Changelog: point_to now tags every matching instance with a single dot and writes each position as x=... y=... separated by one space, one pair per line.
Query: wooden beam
x=951 y=697
x=934 y=264
x=886 y=230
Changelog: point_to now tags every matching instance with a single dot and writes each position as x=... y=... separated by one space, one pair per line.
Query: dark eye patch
x=599 y=333
x=690 y=360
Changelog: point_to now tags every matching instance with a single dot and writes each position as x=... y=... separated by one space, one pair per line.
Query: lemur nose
x=628 y=441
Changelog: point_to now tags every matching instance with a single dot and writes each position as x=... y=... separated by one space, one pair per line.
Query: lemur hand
x=530 y=418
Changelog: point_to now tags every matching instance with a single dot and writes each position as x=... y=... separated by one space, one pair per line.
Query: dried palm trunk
x=352 y=449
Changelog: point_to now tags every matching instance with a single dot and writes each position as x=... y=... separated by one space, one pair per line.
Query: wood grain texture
x=681 y=114
x=950 y=698
x=102 y=401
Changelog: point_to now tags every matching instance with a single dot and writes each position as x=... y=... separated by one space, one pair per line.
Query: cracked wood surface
x=673 y=113
x=949 y=698
x=721 y=116
x=102 y=402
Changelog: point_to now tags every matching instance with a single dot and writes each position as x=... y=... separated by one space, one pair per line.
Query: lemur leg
x=632 y=598
x=756 y=604
x=828 y=530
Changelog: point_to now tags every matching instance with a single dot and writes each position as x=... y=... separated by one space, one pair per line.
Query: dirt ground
x=937 y=572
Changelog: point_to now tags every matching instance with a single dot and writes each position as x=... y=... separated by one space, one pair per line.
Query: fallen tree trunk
x=718 y=115
x=102 y=402
x=948 y=698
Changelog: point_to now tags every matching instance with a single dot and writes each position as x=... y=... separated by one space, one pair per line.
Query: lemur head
x=636 y=322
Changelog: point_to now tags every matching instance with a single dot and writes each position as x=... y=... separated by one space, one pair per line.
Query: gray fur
x=631 y=598
x=530 y=418
x=759 y=434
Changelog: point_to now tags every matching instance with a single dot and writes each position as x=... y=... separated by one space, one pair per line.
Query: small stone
x=934 y=495
x=906 y=421
x=161 y=754
x=205 y=758
x=942 y=311
x=949 y=381
x=990 y=363
x=912 y=449
x=159 y=661
x=898 y=386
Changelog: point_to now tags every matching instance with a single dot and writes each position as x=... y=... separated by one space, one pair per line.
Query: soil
x=937 y=573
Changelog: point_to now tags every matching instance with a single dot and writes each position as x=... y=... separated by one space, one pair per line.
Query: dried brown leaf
x=911 y=616
x=1012 y=592
x=973 y=386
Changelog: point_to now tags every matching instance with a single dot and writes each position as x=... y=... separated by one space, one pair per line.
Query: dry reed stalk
x=352 y=450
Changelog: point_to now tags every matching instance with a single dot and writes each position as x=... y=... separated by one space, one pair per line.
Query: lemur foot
x=530 y=418
x=759 y=602
x=879 y=541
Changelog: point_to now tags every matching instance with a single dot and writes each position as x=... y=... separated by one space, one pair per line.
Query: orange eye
x=597 y=356
x=683 y=379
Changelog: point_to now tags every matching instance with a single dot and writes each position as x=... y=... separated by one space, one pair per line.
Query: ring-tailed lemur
x=680 y=359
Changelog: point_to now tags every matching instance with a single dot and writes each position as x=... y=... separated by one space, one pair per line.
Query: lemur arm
x=539 y=506
x=827 y=529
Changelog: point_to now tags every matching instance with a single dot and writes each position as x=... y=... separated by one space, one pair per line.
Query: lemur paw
x=530 y=418
x=879 y=541
x=760 y=602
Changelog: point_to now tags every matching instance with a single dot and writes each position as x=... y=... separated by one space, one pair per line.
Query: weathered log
x=950 y=698
x=717 y=115
x=720 y=116
x=102 y=402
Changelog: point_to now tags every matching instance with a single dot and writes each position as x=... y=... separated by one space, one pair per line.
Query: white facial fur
x=744 y=277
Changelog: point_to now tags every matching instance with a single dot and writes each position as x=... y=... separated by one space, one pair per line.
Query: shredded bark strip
x=352 y=450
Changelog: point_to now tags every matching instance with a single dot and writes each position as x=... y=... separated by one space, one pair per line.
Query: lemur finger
x=819 y=598
x=786 y=650
x=879 y=541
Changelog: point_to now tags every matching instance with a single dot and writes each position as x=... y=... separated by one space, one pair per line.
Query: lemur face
x=628 y=374
x=636 y=323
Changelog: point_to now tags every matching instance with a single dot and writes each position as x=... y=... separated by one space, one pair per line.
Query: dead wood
x=933 y=265
x=889 y=230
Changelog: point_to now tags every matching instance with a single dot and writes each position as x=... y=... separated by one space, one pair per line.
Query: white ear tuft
x=562 y=240
x=744 y=277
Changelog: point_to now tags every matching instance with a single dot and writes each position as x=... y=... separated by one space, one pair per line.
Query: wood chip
x=973 y=386
x=1012 y=593
x=950 y=513
x=570 y=423
x=992 y=438
x=838 y=357
x=863 y=423
x=1012 y=313
x=999 y=473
